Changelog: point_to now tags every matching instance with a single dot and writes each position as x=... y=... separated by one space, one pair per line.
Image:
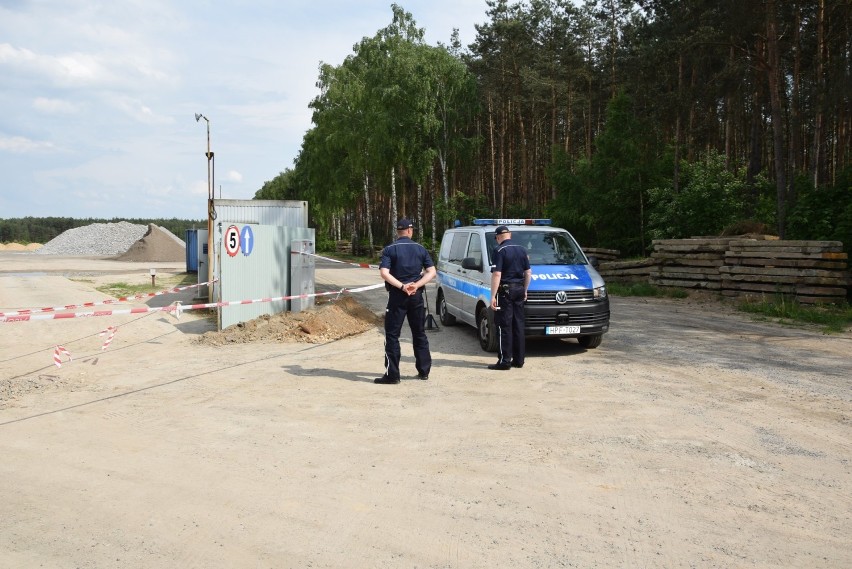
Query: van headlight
x=600 y=292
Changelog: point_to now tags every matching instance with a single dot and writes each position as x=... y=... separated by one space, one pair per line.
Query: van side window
x=459 y=247
x=446 y=243
x=491 y=243
x=474 y=249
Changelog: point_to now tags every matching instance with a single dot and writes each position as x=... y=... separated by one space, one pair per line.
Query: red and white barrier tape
x=110 y=334
x=362 y=265
x=57 y=355
x=25 y=311
x=99 y=303
x=177 y=308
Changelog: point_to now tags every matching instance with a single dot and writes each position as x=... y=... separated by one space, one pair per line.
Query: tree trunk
x=819 y=116
x=420 y=209
x=434 y=226
x=369 y=211
x=393 y=198
x=491 y=134
x=795 y=160
x=773 y=71
x=729 y=121
x=676 y=178
x=442 y=159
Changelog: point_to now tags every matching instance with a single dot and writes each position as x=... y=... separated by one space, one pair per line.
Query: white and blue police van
x=566 y=299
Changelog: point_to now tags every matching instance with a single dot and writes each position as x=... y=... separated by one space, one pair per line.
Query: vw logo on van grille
x=561 y=297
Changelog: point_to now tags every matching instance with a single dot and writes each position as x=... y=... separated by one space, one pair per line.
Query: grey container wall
x=191 y=250
x=280 y=213
x=259 y=272
x=284 y=213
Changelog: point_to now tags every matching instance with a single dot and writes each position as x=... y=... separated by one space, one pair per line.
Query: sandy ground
x=693 y=437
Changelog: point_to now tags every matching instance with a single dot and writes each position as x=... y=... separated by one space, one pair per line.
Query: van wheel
x=487 y=331
x=447 y=319
x=590 y=342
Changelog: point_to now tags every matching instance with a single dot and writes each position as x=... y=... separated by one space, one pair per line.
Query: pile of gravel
x=107 y=239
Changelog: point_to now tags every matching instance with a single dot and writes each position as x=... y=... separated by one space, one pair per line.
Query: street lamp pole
x=211 y=212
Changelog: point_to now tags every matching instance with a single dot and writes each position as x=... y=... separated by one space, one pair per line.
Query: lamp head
x=197 y=117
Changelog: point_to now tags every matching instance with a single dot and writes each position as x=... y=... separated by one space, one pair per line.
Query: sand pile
x=17 y=247
x=158 y=244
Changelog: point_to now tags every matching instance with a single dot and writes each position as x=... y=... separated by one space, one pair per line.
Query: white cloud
x=21 y=145
x=54 y=106
x=138 y=111
x=234 y=176
x=10 y=55
x=199 y=188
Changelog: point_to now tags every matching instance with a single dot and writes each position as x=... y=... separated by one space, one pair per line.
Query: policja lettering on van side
x=555 y=277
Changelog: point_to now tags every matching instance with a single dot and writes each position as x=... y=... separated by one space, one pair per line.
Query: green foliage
x=579 y=109
x=644 y=289
x=824 y=214
x=572 y=206
x=396 y=105
x=284 y=186
x=603 y=201
x=711 y=198
x=464 y=208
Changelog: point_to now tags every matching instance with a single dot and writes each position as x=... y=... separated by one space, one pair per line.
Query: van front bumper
x=591 y=317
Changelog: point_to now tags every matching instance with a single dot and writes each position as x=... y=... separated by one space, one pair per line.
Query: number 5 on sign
x=232 y=241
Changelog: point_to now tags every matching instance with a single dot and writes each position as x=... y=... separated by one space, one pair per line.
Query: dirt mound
x=158 y=244
x=323 y=323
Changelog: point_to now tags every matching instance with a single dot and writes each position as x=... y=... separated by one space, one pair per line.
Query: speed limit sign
x=232 y=241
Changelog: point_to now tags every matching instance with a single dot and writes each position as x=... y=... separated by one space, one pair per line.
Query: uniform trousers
x=401 y=306
x=510 y=324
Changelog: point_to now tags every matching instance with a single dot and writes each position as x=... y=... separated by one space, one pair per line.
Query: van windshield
x=544 y=247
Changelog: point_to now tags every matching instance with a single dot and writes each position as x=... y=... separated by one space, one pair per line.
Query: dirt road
x=693 y=437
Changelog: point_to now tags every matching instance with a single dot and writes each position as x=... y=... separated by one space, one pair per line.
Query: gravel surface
x=95 y=239
x=693 y=437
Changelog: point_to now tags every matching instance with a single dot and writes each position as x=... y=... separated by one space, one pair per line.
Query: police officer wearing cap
x=406 y=267
x=510 y=280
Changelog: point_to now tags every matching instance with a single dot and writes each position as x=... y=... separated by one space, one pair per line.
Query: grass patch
x=163 y=282
x=832 y=318
x=644 y=289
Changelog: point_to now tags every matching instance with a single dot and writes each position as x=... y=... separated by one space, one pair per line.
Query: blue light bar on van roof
x=511 y=221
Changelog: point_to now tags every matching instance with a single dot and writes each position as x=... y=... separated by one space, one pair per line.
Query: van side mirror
x=471 y=264
x=593 y=261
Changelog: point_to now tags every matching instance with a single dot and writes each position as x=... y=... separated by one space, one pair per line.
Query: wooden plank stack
x=810 y=271
x=603 y=254
x=689 y=263
x=633 y=271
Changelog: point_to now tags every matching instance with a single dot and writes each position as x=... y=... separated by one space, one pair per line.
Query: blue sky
x=98 y=98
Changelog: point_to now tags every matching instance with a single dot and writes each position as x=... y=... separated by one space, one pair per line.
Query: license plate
x=562 y=330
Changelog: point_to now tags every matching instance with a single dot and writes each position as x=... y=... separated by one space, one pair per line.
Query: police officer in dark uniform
x=510 y=280
x=406 y=267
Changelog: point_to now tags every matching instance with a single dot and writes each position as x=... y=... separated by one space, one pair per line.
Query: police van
x=566 y=299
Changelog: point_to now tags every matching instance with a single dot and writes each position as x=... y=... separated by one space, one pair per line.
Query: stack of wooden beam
x=603 y=254
x=634 y=271
x=810 y=271
x=689 y=263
